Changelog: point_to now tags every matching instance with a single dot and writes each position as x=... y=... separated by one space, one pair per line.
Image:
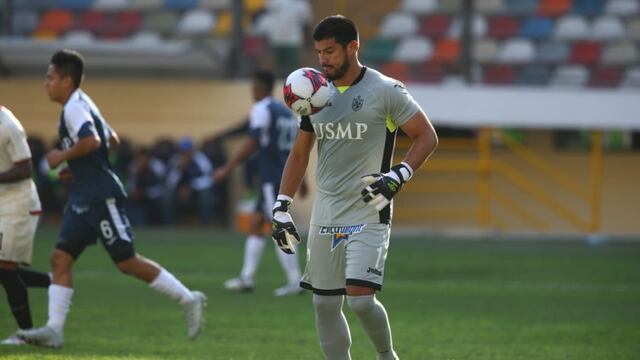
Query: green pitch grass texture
x=447 y=299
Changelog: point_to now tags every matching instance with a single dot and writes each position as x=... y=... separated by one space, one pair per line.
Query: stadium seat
x=224 y=23
x=25 y=22
x=78 y=38
x=253 y=6
x=450 y=6
x=516 y=51
x=607 y=28
x=478 y=27
x=605 y=77
x=378 y=50
x=490 y=6
x=585 y=52
x=498 y=74
x=397 y=70
x=162 y=22
x=145 y=4
x=447 y=51
x=419 y=7
x=180 y=4
x=110 y=5
x=536 y=27
x=501 y=27
x=94 y=21
x=521 y=7
x=428 y=73
x=620 y=53
x=588 y=7
x=633 y=29
x=128 y=21
x=552 y=52
x=553 y=8
x=631 y=78
x=485 y=50
x=571 y=27
x=413 y=50
x=196 y=22
x=55 y=21
x=622 y=7
x=215 y=4
x=398 y=24
x=533 y=75
x=74 y=4
x=435 y=25
x=570 y=76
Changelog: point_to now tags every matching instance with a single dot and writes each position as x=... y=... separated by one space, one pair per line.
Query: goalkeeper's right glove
x=283 y=230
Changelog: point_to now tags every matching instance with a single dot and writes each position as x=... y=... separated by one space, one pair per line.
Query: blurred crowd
x=169 y=182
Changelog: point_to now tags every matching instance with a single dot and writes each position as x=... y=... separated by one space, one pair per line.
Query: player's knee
x=327 y=304
x=60 y=261
x=127 y=267
x=361 y=304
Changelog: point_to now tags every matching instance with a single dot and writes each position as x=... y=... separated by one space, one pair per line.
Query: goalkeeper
x=351 y=219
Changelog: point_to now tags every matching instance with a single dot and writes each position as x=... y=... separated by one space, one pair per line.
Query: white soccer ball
x=306 y=91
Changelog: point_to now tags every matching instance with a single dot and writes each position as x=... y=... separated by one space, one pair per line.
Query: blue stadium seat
x=533 y=75
x=180 y=4
x=536 y=27
x=75 y=4
x=553 y=52
x=523 y=7
x=588 y=7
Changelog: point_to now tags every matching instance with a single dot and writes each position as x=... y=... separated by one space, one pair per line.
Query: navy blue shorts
x=266 y=199
x=106 y=221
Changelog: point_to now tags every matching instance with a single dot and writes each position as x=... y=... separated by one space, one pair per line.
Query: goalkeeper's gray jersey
x=356 y=135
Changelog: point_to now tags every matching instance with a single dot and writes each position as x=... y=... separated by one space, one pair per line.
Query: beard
x=340 y=71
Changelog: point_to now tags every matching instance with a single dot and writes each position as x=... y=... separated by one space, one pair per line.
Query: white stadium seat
x=420 y=7
x=517 y=51
x=571 y=27
x=399 y=24
x=413 y=50
x=606 y=28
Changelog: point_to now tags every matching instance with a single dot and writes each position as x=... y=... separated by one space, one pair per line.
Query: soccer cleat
x=44 y=336
x=194 y=312
x=288 y=290
x=237 y=284
x=13 y=340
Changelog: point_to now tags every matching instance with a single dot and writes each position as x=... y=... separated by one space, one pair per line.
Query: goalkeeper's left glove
x=381 y=188
x=283 y=230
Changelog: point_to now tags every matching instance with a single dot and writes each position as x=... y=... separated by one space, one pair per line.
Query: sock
x=253 y=248
x=59 y=303
x=17 y=298
x=167 y=284
x=333 y=330
x=32 y=278
x=375 y=322
x=290 y=266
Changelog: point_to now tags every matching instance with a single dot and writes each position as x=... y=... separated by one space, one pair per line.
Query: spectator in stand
x=146 y=189
x=189 y=183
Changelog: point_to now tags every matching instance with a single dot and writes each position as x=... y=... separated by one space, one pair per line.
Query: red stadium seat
x=585 y=52
x=502 y=27
x=435 y=25
x=397 y=70
x=128 y=21
x=553 y=8
x=447 y=52
x=56 y=21
x=94 y=21
x=605 y=77
x=499 y=74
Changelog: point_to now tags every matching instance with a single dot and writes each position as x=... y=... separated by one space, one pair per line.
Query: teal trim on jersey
x=391 y=125
x=342 y=89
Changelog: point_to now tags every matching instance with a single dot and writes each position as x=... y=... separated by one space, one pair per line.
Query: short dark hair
x=266 y=78
x=338 y=27
x=69 y=62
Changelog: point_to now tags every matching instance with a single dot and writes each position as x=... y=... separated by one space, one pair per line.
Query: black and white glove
x=283 y=230
x=381 y=188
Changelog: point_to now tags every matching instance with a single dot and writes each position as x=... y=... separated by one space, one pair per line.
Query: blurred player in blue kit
x=272 y=131
x=95 y=208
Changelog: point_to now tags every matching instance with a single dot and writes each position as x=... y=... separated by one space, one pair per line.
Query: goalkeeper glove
x=283 y=230
x=381 y=188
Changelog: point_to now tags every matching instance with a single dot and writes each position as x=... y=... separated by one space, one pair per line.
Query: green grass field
x=446 y=300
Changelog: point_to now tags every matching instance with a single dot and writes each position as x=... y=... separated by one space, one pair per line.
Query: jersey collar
x=342 y=89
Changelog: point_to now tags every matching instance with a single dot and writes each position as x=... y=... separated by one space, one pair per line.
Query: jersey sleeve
x=305 y=124
x=18 y=147
x=258 y=120
x=79 y=121
x=400 y=104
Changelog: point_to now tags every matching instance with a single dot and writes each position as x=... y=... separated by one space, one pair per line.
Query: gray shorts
x=338 y=256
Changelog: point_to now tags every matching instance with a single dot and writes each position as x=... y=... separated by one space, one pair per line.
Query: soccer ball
x=306 y=91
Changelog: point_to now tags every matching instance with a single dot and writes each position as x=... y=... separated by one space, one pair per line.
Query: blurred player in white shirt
x=19 y=214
